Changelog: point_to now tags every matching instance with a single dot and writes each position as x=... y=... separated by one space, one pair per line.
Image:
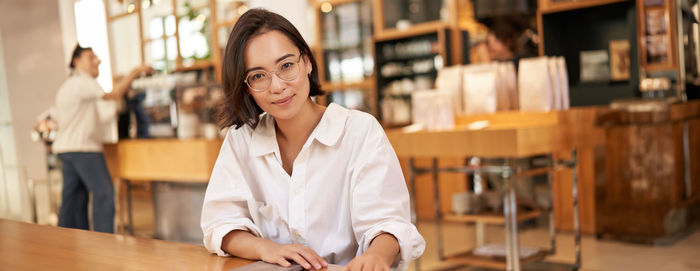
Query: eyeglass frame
x=275 y=72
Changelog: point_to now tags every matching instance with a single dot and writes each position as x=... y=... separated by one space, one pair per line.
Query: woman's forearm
x=239 y=243
x=386 y=246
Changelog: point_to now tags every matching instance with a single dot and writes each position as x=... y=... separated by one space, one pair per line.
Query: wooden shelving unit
x=491 y=218
x=415 y=30
x=567 y=28
x=365 y=84
x=549 y=6
x=471 y=259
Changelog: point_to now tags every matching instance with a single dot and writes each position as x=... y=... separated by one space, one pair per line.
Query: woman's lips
x=284 y=101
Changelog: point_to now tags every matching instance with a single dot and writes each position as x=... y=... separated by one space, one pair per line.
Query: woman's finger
x=296 y=257
x=312 y=257
x=283 y=262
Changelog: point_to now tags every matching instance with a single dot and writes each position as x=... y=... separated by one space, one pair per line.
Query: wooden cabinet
x=658 y=42
x=652 y=187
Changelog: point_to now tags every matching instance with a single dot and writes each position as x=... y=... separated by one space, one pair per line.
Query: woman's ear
x=307 y=65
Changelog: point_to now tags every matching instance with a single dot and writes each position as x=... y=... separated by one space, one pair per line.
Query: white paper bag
x=507 y=87
x=554 y=80
x=480 y=88
x=534 y=86
x=512 y=85
x=449 y=79
x=432 y=109
x=564 y=81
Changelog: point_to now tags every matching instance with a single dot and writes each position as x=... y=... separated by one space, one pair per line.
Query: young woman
x=296 y=181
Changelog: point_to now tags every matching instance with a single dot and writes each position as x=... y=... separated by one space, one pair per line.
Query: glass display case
x=404 y=66
x=657 y=42
x=347 y=43
x=345 y=53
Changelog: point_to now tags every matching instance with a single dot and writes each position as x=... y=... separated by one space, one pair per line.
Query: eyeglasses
x=260 y=80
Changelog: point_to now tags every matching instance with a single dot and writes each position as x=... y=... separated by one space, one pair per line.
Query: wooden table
x=25 y=246
x=510 y=142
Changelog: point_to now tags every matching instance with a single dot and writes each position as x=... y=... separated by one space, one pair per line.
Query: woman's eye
x=257 y=76
x=287 y=65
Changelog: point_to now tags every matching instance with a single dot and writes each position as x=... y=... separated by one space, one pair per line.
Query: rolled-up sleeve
x=225 y=205
x=380 y=199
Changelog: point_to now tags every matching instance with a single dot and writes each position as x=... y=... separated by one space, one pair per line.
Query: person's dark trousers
x=84 y=173
x=135 y=104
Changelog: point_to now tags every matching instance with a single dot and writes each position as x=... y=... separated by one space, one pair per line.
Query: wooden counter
x=174 y=160
x=25 y=246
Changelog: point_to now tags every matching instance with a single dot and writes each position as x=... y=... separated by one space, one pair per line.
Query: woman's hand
x=272 y=252
x=378 y=257
x=368 y=262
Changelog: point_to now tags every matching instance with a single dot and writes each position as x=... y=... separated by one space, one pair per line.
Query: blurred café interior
x=533 y=134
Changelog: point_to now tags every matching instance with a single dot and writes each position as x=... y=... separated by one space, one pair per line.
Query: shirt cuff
x=411 y=243
x=219 y=233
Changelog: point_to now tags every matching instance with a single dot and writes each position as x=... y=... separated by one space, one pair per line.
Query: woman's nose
x=276 y=84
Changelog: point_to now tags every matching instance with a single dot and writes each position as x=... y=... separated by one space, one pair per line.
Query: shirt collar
x=327 y=132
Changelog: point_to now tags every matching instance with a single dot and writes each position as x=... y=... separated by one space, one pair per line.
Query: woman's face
x=273 y=53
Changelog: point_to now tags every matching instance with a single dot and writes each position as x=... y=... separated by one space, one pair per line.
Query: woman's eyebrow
x=276 y=61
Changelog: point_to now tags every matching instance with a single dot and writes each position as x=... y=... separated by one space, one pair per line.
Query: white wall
x=34 y=68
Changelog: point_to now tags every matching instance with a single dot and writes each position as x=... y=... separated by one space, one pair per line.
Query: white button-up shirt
x=345 y=189
x=79 y=126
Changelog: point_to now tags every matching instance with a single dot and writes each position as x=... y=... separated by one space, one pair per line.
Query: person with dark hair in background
x=296 y=181
x=509 y=39
x=79 y=143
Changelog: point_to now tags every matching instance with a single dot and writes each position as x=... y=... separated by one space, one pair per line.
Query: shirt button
x=297 y=191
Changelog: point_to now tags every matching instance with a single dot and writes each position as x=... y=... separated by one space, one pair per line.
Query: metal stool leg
x=414 y=214
x=511 y=217
x=130 y=227
x=438 y=213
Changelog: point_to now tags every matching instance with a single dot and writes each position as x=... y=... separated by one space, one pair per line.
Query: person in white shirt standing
x=79 y=143
x=296 y=181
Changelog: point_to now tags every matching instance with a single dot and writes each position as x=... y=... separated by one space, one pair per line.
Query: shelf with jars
x=413 y=39
x=407 y=63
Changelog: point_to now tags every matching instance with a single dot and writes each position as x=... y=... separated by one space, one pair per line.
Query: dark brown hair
x=238 y=107
x=76 y=54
